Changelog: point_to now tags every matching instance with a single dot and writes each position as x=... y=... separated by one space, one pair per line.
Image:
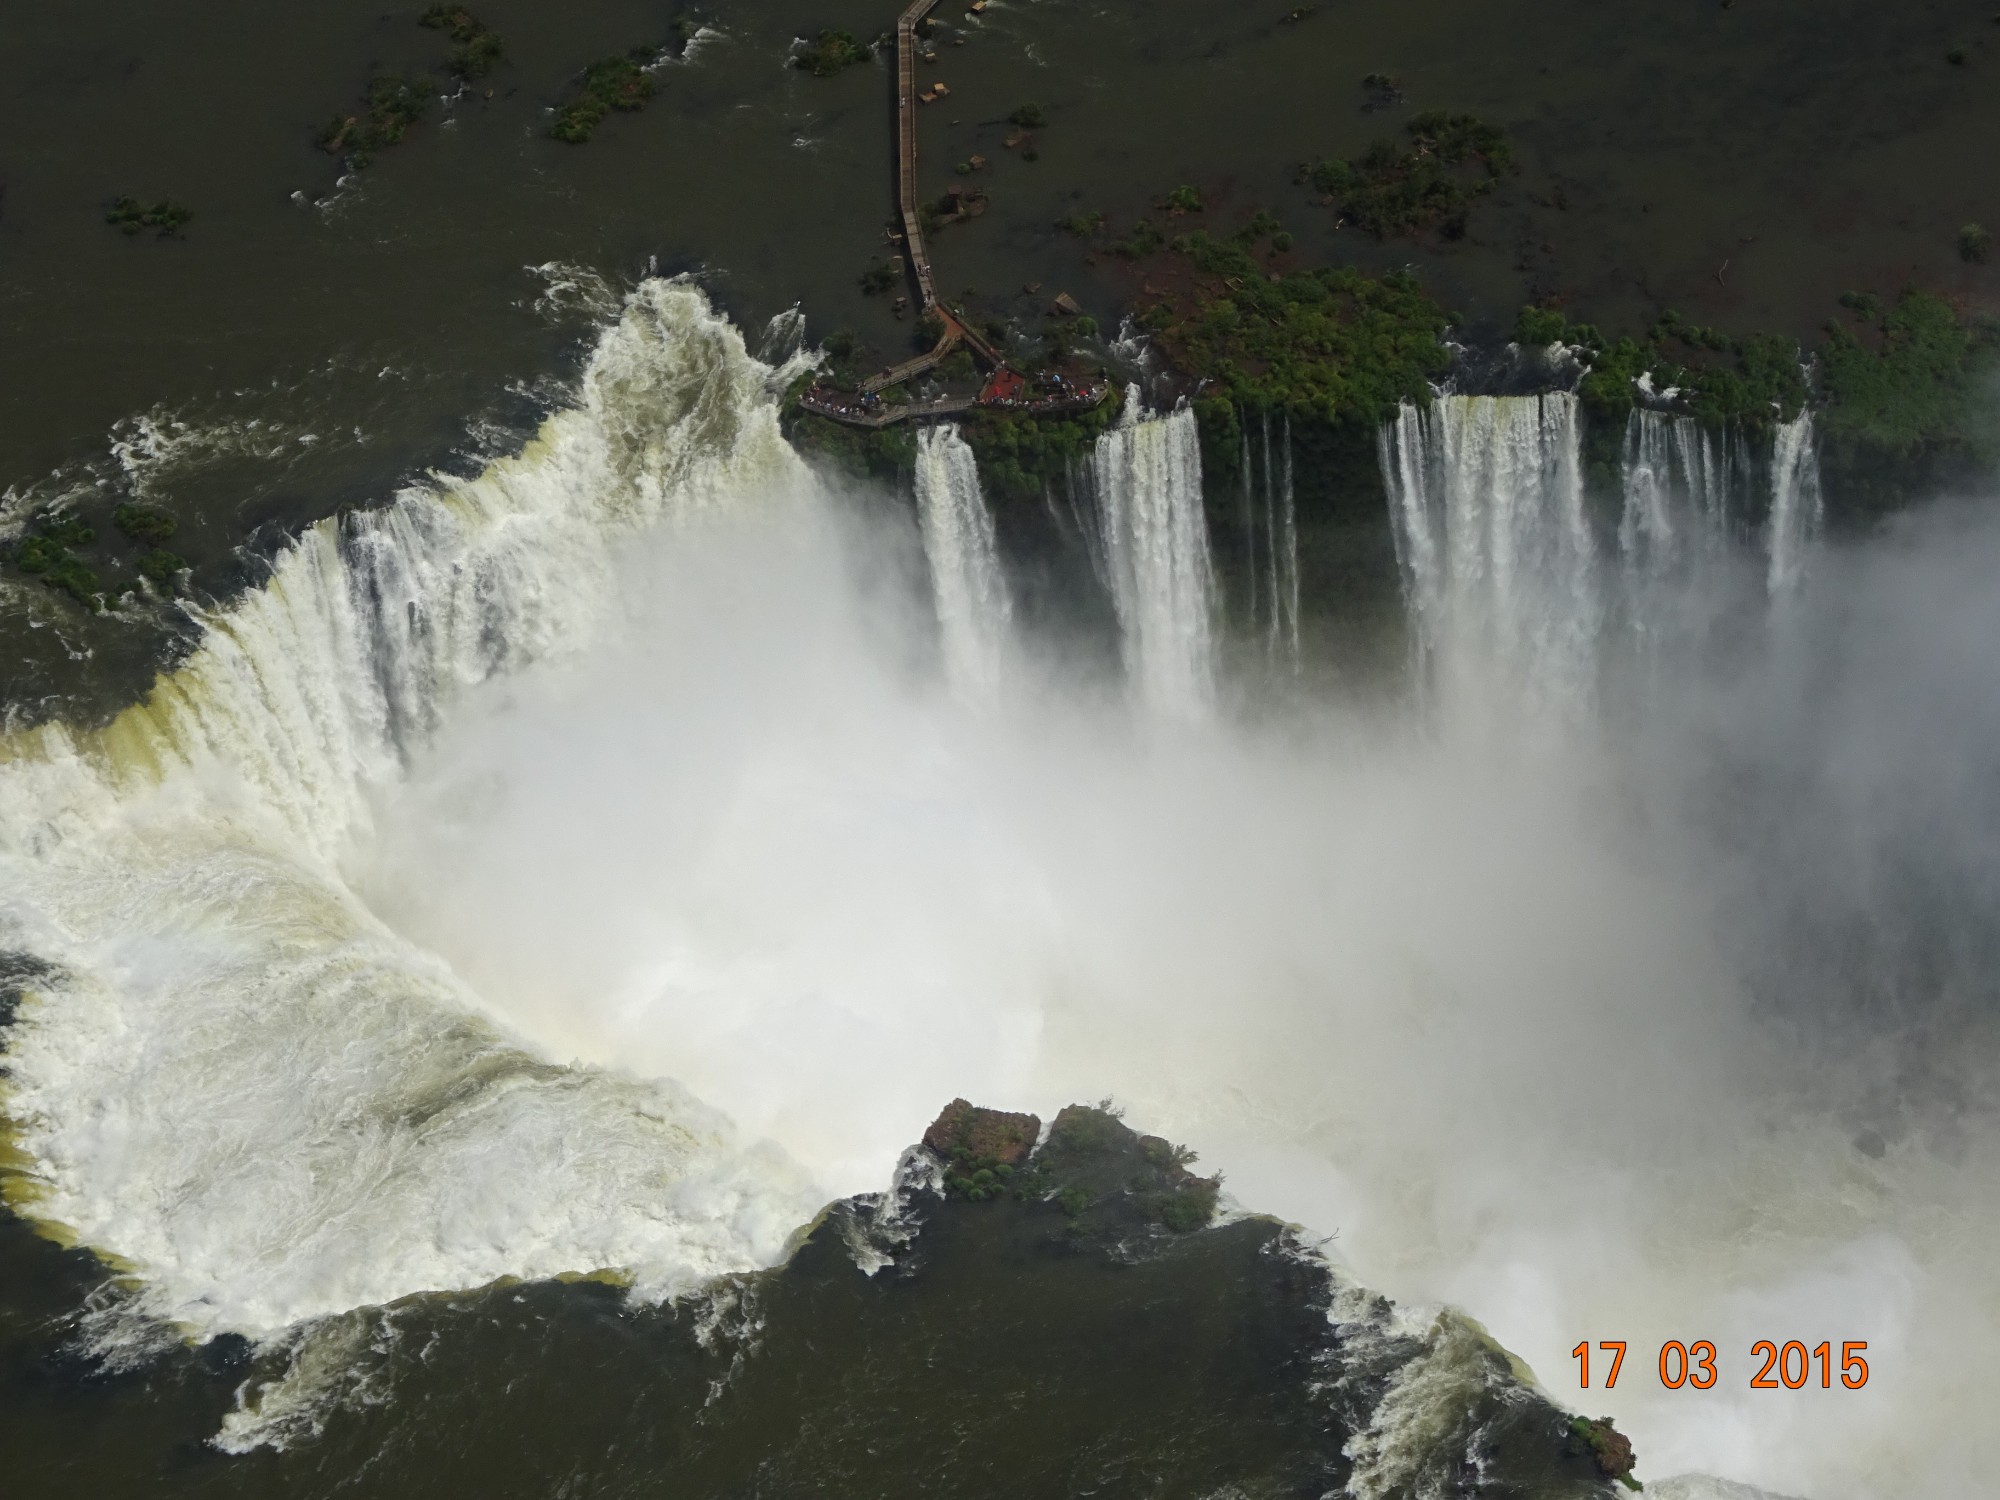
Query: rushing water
x=974 y=611
x=375 y=934
x=1147 y=482
x=1271 y=544
x=1505 y=575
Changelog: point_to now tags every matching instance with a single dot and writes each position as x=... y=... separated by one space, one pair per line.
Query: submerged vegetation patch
x=478 y=48
x=391 y=104
x=48 y=551
x=1453 y=158
x=132 y=217
x=829 y=53
x=612 y=83
x=66 y=552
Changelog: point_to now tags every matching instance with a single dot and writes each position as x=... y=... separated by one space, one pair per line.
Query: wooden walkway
x=864 y=408
x=906 y=147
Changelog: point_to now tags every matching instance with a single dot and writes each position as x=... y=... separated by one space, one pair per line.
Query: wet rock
x=988 y=1136
x=1609 y=1448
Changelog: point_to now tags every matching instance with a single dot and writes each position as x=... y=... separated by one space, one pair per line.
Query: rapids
x=376 y=935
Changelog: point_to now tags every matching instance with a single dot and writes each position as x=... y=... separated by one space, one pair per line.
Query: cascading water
x=975 y=613
x=1146 y=475
x=326 y=912
x=239 y=1079
x=1486 y=499
x=1796 y=507
x=1502 y=569
x=1271 y=547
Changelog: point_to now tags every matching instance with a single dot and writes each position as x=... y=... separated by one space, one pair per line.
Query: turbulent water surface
x=594 y=865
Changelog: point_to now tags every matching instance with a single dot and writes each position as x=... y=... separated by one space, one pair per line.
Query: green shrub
x=145 y=524
x=1916 y=387
x=132 y=216
x=1029 y=117
x=620 y=83
x=1182 y=200
x=878 y=278
x=390 y=107
x=1391 y=192
x=479 y=48
x=831 y=53
x=1975 y=243
x=162 y=567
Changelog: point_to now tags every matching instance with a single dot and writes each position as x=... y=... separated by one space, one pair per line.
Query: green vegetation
x=1391 y=192
x=54 y=544
x=1330 y=344
x=479 y=48
x=147 y=525
x=1911 y=384
x=1261 y=226
x=1094 y=1163
x=1145 y=239
x=1018 y=455
x=1182 y=200
x=162 y=568
x=878 y=278
x=1605 y=1445
x=1754 y=380
x=132 y=216
x=883 y=453
x=620 y=83
x=1975 y=243
x=1029 y=117
x=1081 y=225
x=390 y=107
x=45 y=552
x=832 y=53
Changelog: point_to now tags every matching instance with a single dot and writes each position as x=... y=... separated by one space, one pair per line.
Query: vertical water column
x=1147 y=476
x=975 y=612
x=1486 y=501
x=1271 y=547
x=1796 y=505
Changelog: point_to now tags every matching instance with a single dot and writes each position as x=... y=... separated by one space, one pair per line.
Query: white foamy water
x=1146 y=476
x=384 y=922
x=246 y=1085
x=1271 y=544
x=975 y=613
x=1508 y=581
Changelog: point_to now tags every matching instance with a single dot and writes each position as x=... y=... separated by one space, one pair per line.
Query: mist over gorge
x=1402 y=828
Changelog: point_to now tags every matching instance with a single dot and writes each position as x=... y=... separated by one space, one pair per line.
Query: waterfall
x=236 y=1077
x=1796 y=507
x=973 y=608
x=1684 y=485
x=1147 y=477
x=1501 y=568
x=1486 y=501
x=1271 y=547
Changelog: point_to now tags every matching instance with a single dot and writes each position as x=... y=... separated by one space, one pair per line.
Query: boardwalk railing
x=906 y=147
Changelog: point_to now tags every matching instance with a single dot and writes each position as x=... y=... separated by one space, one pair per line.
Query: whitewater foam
x=245 y=1086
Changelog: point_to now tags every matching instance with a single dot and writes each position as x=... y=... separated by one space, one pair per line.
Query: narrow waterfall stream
x=1147 y=480
x=975 y=612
